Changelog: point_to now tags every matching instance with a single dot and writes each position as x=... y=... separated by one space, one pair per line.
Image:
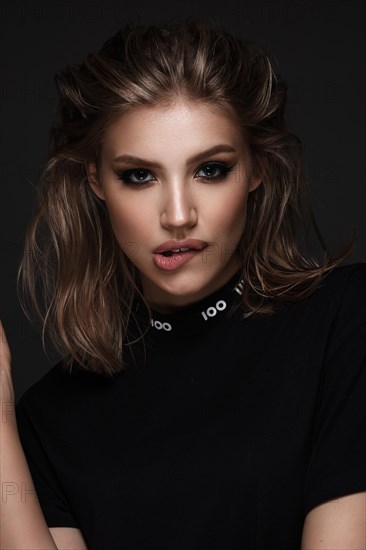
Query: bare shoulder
x=337 y=524
x=68 y=538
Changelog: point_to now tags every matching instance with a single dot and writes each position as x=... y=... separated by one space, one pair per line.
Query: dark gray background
x=319 y=47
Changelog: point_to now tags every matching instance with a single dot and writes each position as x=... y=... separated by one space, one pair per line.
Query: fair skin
x=23 y=525
x=339 y=524
x=176 y=203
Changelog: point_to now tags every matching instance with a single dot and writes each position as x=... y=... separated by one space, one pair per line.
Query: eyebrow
x=222 y=148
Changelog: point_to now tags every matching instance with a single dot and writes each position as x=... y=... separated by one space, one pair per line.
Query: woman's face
x=172 y=178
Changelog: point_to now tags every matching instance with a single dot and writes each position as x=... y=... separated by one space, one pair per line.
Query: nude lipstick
x=172 y=254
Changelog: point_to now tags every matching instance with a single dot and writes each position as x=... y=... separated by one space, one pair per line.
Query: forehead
x=188 y=125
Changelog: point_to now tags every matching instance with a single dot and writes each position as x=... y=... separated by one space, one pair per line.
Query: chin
x=187 y=289
x=188 y=285
x=178 y=288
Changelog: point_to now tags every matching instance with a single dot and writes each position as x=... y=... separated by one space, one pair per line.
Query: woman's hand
x=6 y=383
x=22 y=522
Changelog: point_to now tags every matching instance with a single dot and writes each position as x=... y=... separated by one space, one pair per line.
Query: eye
x=135 y=177
x=213 y=171
x=139 y=177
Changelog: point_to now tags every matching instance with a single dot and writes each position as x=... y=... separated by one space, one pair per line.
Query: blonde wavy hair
x=77 y=280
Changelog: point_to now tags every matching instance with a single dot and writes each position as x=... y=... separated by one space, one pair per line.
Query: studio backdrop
x=318 y=47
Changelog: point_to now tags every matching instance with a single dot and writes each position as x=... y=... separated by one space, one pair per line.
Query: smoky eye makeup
x=135 y=176
x=214 y=171
x=208 y=171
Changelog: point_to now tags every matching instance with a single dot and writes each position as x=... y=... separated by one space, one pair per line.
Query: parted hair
x=73 y=273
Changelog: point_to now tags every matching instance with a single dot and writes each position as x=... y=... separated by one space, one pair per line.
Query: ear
x=254 y=183
x=92 y=177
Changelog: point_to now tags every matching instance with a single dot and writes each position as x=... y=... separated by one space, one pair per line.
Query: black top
x=221 y=435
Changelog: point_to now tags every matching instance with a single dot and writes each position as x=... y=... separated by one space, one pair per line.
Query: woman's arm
x=337 y=525
x=23 y=525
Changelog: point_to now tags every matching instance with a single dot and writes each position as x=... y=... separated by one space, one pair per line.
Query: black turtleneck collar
x=200 y=316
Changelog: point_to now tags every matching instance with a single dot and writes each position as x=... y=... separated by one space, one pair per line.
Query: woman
x=212 y=389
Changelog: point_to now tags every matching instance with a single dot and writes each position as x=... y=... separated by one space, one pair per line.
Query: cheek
x=131 y=228
x=232 y=216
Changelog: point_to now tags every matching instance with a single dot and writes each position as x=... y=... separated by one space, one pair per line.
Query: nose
x=178 y=210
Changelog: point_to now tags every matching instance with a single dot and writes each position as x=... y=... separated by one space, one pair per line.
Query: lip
x=171 y=263
x=193 y=244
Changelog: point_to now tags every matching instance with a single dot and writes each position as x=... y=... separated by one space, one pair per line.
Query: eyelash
x=126 y=174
